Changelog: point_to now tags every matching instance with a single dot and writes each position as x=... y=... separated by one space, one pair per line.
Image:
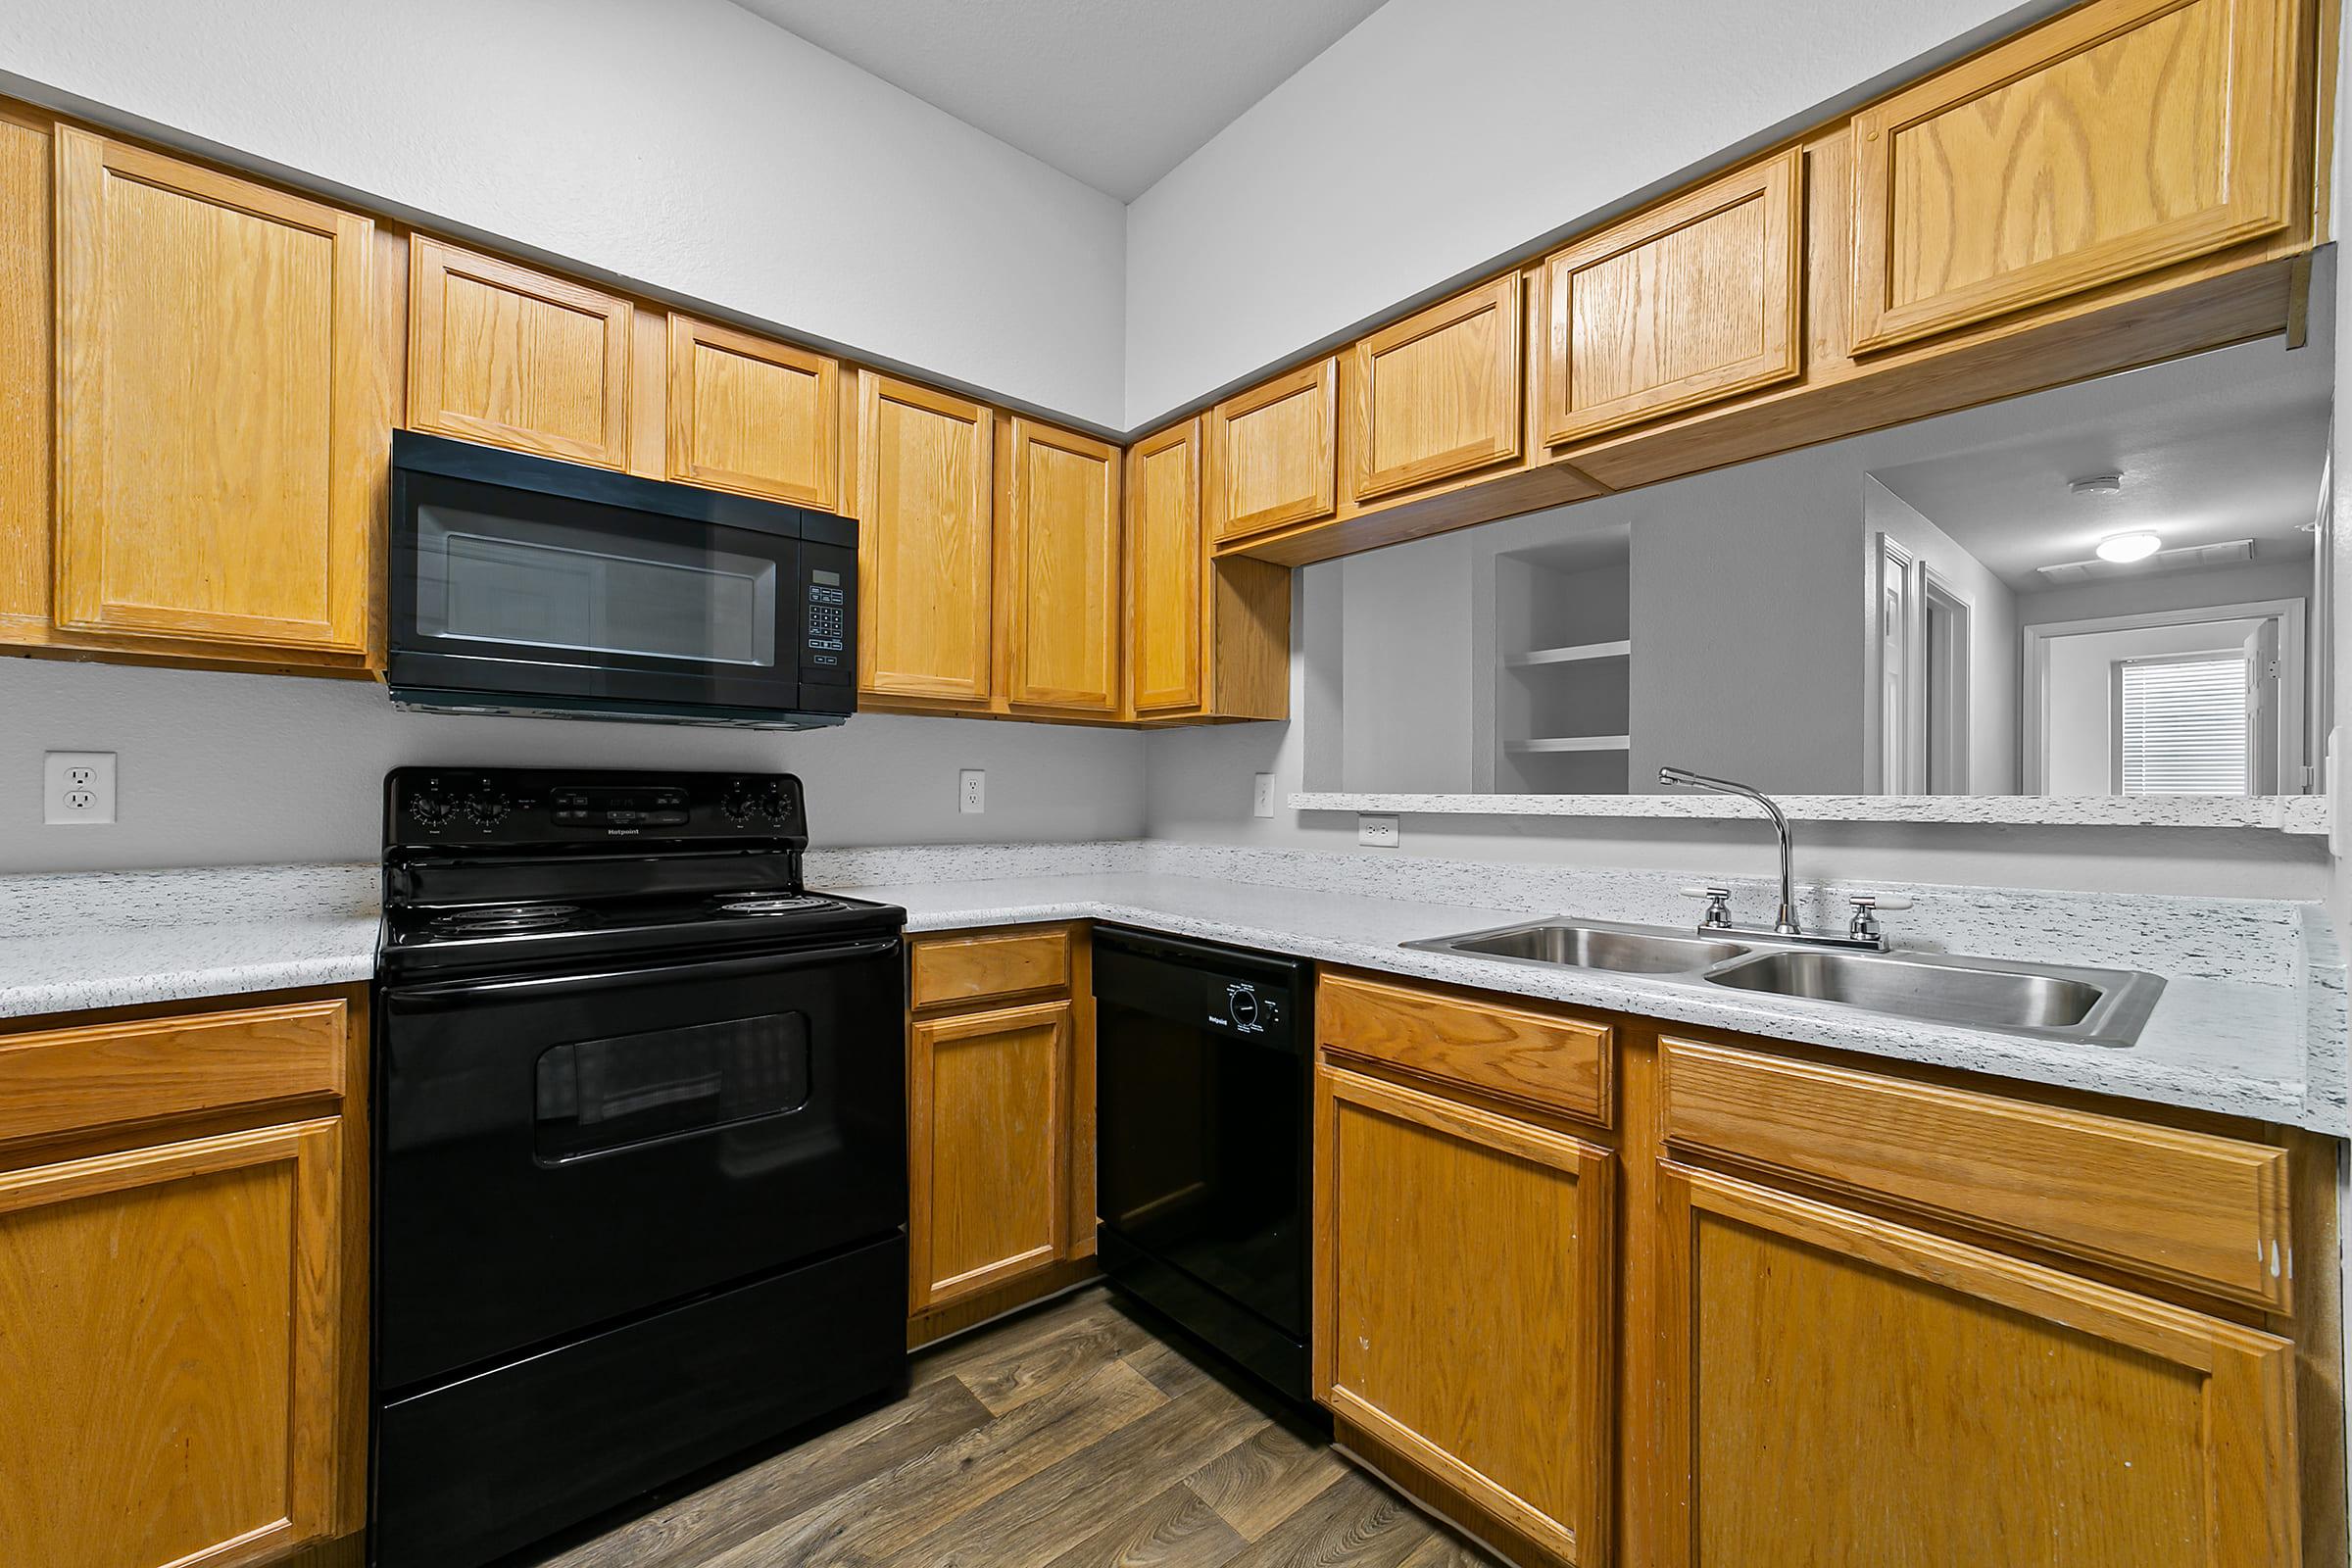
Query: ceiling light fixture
x=2127 y=547
x=2096 y=484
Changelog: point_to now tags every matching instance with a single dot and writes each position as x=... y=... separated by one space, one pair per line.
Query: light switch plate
x=1261 y=797
x=78 y=788
x=971 y=791
x=1377 y=831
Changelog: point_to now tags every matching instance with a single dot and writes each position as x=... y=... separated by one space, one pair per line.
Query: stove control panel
x=427 y=806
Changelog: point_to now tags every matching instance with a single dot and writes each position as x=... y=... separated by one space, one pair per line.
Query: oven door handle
x=559 y=985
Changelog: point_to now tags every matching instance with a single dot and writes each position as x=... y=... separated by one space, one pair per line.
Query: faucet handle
x=1719 y=904
x=1864 y=927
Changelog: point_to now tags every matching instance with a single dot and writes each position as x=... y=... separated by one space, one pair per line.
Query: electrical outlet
x=1261 y=797
x=1377 y=831
x=77 y=787
x=971 y=791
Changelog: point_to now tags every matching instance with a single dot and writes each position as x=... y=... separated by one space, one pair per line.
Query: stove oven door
x=559 y=1154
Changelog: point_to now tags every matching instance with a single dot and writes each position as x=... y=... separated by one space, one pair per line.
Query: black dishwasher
x=1203 y=1078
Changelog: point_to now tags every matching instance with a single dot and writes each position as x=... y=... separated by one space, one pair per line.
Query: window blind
x=2183 y=726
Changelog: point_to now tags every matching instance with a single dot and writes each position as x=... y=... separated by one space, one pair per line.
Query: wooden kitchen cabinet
x=1838 y=1391
x=1060 y=567
x=182 y=1274
x=221 y=424
x=1692 y=302
x=1207 y=637
x=511 y=356
x=754 y=416
x=2125 y=136
x=1438 y=393
x=925 y=544
x=1271 y=461
x=1465 y=1273
x=988 y=1103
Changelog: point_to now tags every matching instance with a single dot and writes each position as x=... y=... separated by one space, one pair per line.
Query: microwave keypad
x=828 y=622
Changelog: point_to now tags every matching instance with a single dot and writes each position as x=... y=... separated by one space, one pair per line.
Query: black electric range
x=639 y=1146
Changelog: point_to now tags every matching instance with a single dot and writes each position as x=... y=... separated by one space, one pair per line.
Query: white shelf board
x=1569 y=655
x=1573 y=743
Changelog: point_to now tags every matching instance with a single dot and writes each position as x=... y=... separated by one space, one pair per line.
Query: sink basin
x=2099 y=1007
x=2051 y=1002
x=1626 y=949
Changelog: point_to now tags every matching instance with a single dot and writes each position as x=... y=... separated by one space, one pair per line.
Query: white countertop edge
x=38 y=998
x=2057 y=1065
x=2300 y=814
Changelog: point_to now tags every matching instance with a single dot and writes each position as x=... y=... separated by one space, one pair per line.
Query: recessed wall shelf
x=1619 y=649
x=1571 y=742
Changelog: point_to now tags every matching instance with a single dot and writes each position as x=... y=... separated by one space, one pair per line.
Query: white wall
x=221 y=770
x=1405 y=665
x=1440 y=134
x=1992 y=651
x=686 y=144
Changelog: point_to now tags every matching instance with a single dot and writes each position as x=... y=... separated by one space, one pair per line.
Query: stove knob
x=432 y=812
x=777 y=805
x=487 y=811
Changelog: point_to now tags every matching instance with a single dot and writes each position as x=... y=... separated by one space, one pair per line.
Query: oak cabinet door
x=170 y=1357
x=515 y=358
x=989 y=1142
x=1464 y=1270
x=1270 y=456
x=1436 y=393
x=1852 y=1392
x=1062 y=569
x=1690 y=304
x=753 y=416
x=1165 y=555
x=2123 y=137
x=220 y=424
x=924 y=543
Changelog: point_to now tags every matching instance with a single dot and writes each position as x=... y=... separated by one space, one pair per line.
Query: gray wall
x=221 y=769
x=1993 y=685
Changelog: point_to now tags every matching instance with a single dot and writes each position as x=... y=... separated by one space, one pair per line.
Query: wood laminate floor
x=1070 y=1438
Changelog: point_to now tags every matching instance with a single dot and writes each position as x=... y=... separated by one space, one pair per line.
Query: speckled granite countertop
x=114 y=938
x=2251 y=1021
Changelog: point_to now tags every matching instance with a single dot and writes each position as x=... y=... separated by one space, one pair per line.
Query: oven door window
x=520 y=582
x=595 y=1097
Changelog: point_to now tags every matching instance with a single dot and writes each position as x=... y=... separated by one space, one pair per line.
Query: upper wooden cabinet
x=221 y=424
x=1061 y=568
x=1695 y=301
x=1165 y=555
x=2124 y=136
x=1464 y=1280
x=925 y=543
x=1836 y=1388
x=1271 y=461
x=753 y=415
x=515 y=358
x=989 y=1143
x=1436 y=393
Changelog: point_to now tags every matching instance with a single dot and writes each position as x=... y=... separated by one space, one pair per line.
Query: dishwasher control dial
x=1251 y=1013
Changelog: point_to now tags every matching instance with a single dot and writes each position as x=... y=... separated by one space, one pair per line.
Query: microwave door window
x=531 y=584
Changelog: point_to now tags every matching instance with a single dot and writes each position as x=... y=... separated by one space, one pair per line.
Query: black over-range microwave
x=525 y=585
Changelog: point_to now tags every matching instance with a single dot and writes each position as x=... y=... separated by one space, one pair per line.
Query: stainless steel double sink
x=2042 y=1000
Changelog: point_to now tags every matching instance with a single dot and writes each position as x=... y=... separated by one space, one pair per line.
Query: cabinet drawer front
x=103 y=1075
x=2192 y=1208
x=2125 y=136
x=1509 y=1052
x=517 y=359
x=1271 y=461
x=1687 y=305
x=1438 y=393
x=758 y=417
x=951 y=970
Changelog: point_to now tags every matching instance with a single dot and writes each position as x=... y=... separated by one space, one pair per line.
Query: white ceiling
x=1115 y=94
x=2221 y=446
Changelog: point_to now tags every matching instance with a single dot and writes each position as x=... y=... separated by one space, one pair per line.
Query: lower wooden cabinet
x=1846 y=1391
x=181 y=1349
x=999 y=1120
x=1464 y=1276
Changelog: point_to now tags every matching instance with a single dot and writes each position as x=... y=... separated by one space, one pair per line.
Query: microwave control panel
x=828 y=616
